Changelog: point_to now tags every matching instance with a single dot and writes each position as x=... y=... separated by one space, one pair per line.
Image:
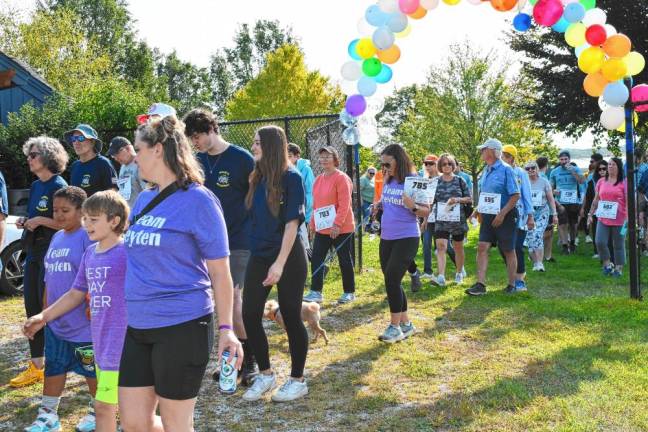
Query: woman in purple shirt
x=177 y=253
x=399 y=238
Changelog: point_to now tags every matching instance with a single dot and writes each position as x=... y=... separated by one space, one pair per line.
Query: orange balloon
x=595 y=84
x=504 y=5
x=390 y=55
x=419 y=13
x=618 y=45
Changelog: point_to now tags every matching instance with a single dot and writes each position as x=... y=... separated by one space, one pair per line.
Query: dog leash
x=332 y=256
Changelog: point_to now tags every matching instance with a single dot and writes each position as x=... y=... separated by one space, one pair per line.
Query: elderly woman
x=544 y=211
x=47 y=159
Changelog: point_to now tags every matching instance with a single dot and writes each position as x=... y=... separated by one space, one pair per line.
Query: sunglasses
x=33 y=155
x=445 y=164
x=74 y=138
x=429 y=163
x=386 y=165
x=371 y=173
x=530 y=168
x=602 y=169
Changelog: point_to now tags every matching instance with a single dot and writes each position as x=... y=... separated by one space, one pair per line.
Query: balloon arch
x=603 y=54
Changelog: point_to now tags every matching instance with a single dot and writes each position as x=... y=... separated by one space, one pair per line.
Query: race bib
x=124 y=185
x=536 y=198
x=419 y=189
x=607 y=210
x=324 y=217
x=489 y=203
x=432 y=216
x=446 y=213
x=569 y=196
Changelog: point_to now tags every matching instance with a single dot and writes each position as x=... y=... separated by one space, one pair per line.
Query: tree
x=285 y=87
x=466 y=101
x=232 y=68
x=552 y=67
x=188 y=86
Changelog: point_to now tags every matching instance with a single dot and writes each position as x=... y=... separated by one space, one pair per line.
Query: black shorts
x=504 y=236
x=171 y=359
x=445 y=235
x=569 y=215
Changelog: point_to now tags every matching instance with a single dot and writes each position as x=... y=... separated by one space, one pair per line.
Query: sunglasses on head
x=386 y=165
x=74 y=138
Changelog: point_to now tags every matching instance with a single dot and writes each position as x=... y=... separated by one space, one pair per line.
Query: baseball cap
x=491 y=143
x=431 y=158
x=372 y=169
x=88 y=132
x=117 y=144
x=564 y=153
x=510 y=149
x=159 y=110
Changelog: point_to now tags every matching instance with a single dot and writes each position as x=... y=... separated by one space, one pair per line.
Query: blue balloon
x=352 y=50
x=367 y=86
x=561 y=26
x=616 y=94
x=397 y=22
x=351 y=136
x=522 y=22
x=347 y=119
x=375 y=16
x=385 y=75
x=574 y=12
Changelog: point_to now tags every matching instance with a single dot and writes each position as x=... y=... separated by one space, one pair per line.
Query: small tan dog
x=310 y=313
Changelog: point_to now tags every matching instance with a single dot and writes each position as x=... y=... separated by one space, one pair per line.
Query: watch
x=415 y=208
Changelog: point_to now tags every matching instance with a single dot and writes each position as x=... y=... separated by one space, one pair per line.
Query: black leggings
x=34 y=289
x=395 y=258
x=321 y=245
x=291 y=292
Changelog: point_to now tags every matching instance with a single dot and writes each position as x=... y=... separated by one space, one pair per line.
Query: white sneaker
x=459 y=278
x=262 y=384
x=588 y=239
x=46 y=421
x=427 y=276
x=87 y=423
x=463 y=272
x=441 y=280
x=541 y=267
x=291 y=390
x=595 y=256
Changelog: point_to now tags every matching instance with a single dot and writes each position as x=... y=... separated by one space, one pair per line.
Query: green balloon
x=588 y=4
x=371 y=67
x=533 y=2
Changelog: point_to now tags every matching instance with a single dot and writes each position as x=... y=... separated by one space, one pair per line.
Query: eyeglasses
x=530 y=168
x=429 y=163
x=74 y=138
x=372 y=173
x=386 y=165
x=326 y=156
x=33 y=155
x=602 y=169
x=445 y=164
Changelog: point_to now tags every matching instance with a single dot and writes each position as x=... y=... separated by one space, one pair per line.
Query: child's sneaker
x=46 y=421
x=407 y=329
x=87 y=423
x=392 y=334
x=291 y=390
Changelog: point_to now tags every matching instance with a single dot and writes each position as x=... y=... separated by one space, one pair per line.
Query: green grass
x=569 y=355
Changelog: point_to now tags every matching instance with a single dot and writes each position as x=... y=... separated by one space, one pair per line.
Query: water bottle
x=228 y=375
x=624 y=228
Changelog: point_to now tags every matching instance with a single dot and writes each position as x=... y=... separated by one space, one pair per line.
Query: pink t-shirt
x=613 y=193
x=334 y=189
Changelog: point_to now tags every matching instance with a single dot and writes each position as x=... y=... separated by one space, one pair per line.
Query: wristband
x=225 y=327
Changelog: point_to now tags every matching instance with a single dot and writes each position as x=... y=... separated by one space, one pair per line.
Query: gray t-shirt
x=129 y=183
x=539 y=189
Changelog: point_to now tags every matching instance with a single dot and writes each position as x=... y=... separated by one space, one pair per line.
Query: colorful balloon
x=390 y=55
x=640 y=97
x=347 y=119
x=397 y=22
x=504 y=5
x=367 y=86
x=365 y=48
x=353 y=53
x=548 y=12
x=522 y=22
x=388 y=6
x=596 y=35
x=574 y=12
x=430 y=4
x=618 y=45
x=351 y=71
x=383 y=38
x=575 y=35
x=419 y=13
x=595 y=84
x=592 y=60
x=405 y=32
x=614 y=69
x=561 y=26
x=385 y=75
x=616 y=94
x=612 y=118
x=408 y=6
x=580 y=49
x=356 y=105
x=635 y=62
x=371 y=67
x=375 y=16
x=588 y=4
x=595 y=16
x=451 y=2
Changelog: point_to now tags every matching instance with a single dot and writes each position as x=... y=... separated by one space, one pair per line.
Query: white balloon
x=430 y=4
x=612 y=118
x=478 y=2
x=595 y=16
x=351 y=71
x=367 y=122
x=364 y=28
x=369 y=140
x=388 y=6
x=383 y=38
x=375 y=105
x=610 y=30
x=602 y=104
x=349 y=88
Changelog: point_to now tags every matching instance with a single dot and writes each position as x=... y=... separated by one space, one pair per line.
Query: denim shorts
x=62 y=356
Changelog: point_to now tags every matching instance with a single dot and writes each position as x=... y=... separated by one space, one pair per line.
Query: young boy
x=101 y=276
x=68 y=346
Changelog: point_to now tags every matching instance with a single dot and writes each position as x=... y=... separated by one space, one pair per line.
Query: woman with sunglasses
x=599 y=170
x=399 y=238
x=47 y=159
x=544 y=210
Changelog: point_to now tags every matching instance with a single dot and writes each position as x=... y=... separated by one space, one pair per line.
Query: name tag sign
x=569 y=196
x=489 y=203
x=324 y=217
x=124 y=186
x=536 y=198
x=419 y=189
x=607 y=210
x=446 y=213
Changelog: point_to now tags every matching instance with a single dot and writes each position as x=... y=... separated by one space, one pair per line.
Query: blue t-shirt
x=4 y=204
x=41 y=203
x=468 y=179
x=167 y=281
x=267 y=230
x=227 y=176
x=563 y=180
x=524 y=205
x=93 y=176
x=499 y=178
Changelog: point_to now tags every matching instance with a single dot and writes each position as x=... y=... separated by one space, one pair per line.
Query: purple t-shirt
x=102 y=275
x=167 y=281
x=61 y=265
x=398 y=221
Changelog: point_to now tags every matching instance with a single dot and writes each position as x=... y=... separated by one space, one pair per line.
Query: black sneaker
x=572 y=248
x=551 y=260
x=510 y=289
x=565 y=249
x=416 y=282
x=249 y=370
x=476 y=290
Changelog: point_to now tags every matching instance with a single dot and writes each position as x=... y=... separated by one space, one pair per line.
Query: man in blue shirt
x=92 y=172
x=497 y=200
x=303 y=166
x=566 y=179
x=227 y=169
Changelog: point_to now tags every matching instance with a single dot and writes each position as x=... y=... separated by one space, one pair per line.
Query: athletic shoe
x=416 y=284
x=262 y=384
x=577 y=241
x=607 y=270
x=291 y=390
x=87 y=423
x=588 y=239
x=392 y=334
x=510 y=289
x=346 y=298
x=565 y=249
x=428 y=276
x=29 y=376
x=551 y=260
x=249 y=370
x=596 y=256
x=441 y=280
x=541 y=267
x=520 y=286
x=572 y=248
x=46 y=421
x=616 y=273
x=459 y=278
x=477 y=289
x=314 y=297
x=407 y=329
x=463 y=272
x=645 y=253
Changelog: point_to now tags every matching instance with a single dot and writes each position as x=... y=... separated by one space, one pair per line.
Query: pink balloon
x=548 y=12
x=408 y=6
x=640 y=95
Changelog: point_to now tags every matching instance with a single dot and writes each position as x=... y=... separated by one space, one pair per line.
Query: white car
x=13 y=259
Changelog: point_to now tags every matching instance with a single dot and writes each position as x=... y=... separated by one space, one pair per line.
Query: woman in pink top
x=333 y=224
x=609 y=206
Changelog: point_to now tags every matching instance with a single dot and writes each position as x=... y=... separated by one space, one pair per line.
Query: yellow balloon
x=451 y=2
x=635 y=62
x=575 y=35
x=591 y=60
x=614 y=69
x=365 y=48
x=405 y=32
x=635 y=120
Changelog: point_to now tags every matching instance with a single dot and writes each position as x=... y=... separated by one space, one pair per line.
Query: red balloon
x=548 y=12
x=596 y=35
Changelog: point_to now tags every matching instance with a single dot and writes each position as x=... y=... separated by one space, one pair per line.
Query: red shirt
x=334 y=189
